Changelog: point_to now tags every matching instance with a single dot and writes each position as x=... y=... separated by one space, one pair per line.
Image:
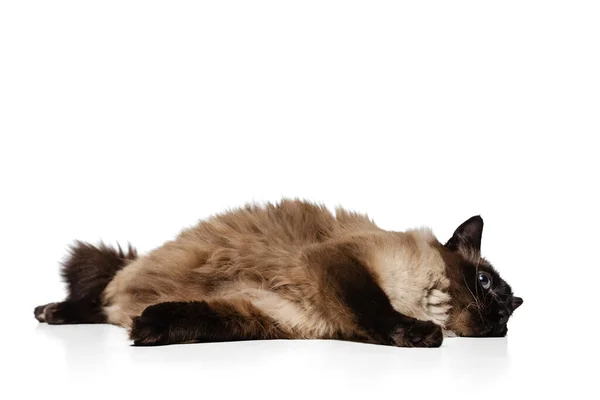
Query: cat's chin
x=498 y=331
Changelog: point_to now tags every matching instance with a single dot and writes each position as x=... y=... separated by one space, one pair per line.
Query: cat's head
x=482 y=301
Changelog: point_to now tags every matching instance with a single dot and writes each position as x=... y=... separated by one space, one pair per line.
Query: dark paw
x=149 y=329
x=419 y=334
x=48 y=313
x=38 y=312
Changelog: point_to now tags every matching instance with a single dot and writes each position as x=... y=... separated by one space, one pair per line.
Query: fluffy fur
x=289 y=270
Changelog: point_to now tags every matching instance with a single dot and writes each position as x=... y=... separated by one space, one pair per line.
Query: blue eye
x=485 y=279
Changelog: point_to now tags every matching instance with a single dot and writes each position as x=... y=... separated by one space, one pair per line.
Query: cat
x=290 y=270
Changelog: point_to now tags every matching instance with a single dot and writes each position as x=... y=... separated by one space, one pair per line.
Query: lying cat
x=291 y=270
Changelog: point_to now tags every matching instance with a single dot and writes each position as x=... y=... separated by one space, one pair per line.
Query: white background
x=127 y=121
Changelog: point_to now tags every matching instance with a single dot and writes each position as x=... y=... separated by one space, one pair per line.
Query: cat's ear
x=467 y=236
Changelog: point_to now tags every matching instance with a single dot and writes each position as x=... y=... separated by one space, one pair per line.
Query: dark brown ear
x=467 y=236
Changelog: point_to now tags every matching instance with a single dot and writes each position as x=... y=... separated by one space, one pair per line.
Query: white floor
x=96 y=361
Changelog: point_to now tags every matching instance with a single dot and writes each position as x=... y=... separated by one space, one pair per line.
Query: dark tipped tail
x=87 y=270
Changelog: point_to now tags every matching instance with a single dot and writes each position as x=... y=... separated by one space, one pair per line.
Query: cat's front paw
x=149 y=329
x=418 y=334
x=436 y=305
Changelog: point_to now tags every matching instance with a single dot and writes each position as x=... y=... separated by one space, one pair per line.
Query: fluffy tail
x=87 y=270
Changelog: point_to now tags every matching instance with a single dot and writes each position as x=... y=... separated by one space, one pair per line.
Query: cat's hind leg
x=69 y=312
x=86 y=271
x=201 y=321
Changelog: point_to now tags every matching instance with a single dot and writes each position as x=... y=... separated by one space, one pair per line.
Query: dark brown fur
x=200 y=321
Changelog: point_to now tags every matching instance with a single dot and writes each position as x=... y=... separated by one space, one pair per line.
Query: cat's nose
x=503 y=317
x=516 y=302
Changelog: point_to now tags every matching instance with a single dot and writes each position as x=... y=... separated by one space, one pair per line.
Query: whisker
x=474 y=297
x=465 y=309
